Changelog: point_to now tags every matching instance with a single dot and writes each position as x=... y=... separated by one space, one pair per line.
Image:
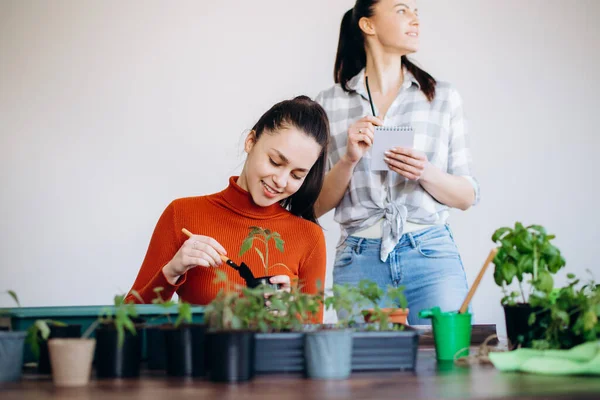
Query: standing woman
x=393 y=223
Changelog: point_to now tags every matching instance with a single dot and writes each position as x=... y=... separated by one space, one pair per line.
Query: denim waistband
x=410 y=238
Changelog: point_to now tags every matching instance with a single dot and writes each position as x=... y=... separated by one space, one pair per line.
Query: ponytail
x=351 y=57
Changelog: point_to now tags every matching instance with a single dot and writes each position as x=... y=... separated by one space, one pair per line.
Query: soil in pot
x=395 y=315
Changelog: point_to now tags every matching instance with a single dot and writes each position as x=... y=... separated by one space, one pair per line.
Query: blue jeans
x=426 y=262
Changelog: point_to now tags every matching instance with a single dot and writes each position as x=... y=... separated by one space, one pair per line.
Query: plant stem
x=535 y=261
x=283 y=265
x=90 y=329
x=266 y=256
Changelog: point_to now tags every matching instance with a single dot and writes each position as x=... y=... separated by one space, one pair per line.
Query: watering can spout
x=429 y=313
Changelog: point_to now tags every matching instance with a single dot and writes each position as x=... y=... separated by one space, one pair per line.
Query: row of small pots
x=220 y=356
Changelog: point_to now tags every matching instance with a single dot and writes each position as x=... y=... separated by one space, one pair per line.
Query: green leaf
x=563 y=316
x=498 y=275
x=246 y=245
x=590 y=319
x=549 y=250
x=43 y=328
x=279 y=244
x=538 y=228
x=525 y=264
x=524 y=242
x=184 y=311
x=13 y=294
x=499 y=233
x=531 y=319
x=255 y=230
x=500 y=257
x=544 y=283
x=512 y=252
x=127 y=323
x=509 y=270
x=221 y=276
x=570 y=276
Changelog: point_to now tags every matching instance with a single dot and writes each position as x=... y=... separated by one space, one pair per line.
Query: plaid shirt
x=440 y=133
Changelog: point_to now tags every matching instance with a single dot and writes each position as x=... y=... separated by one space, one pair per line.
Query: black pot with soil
x=230 y=356
x=156 y=354
x=114 y=361
x=185 y=350
x=518 y=330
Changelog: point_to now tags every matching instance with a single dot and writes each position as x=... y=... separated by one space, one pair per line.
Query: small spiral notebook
x=387 y=137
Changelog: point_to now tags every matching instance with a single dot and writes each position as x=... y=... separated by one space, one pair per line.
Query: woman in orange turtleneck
x=276 y=190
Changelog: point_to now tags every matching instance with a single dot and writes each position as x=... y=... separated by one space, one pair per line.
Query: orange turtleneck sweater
x=226 y=216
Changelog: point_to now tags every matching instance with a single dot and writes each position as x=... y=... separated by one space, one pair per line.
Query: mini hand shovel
x=243 y=270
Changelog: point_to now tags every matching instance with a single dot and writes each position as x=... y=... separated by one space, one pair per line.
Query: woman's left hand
x=410 y=163
x=283 y=280
x=286 y=286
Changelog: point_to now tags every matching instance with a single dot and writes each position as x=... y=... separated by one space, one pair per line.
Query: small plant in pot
x=71 y=357
x=524 y=252
x=395 y=310
x=328 y=350
x=263 y=236
x=569 y=315
x=280 y=344
x=184 y=341
x=40 y=332
x=232 y=318
x=11 y=350
x=384 y=342
x=118 y=343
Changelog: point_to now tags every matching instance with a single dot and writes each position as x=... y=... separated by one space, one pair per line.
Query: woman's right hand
x=197 y=250
x=360 y=137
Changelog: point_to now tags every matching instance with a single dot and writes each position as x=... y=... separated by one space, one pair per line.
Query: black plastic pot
x=56 y=331
x=279 y=353
x=155 y=348
x=185 y=350
x=517 y=325
x=230 y=356
x=112 y=361
x=263 y=280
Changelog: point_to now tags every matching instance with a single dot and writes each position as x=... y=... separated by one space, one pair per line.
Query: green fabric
x=580 y=360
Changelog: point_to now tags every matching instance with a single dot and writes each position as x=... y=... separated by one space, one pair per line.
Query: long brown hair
x=351 y=56
x=308 y=116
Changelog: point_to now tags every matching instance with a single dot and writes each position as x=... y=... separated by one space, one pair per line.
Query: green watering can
x=451 y=332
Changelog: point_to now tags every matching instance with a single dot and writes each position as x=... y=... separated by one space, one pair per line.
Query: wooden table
x=430 y=381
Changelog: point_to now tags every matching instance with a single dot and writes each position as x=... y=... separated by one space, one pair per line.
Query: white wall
x=110 y=109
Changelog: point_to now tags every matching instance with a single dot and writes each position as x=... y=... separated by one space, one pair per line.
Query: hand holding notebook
x=386 y=138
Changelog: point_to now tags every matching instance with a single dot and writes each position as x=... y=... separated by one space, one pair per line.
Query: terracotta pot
x=395 y=315
x=71 y=361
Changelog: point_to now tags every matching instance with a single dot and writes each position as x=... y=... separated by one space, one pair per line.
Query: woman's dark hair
x=309 y=117
x=351 y=57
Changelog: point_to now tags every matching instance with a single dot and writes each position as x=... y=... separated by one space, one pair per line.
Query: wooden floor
x=430 y=381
